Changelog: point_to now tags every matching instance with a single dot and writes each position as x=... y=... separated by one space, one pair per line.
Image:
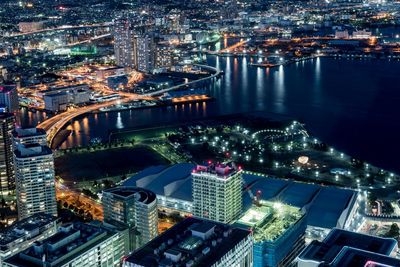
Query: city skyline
x=199 y=133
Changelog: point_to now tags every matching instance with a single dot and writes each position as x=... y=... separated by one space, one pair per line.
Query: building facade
x=35 y=184
x=7 y=174
x=146 y=53
x=123 y=43
x=9 y=97
x=217 y=192
x=27 y=136
x=278 y=232
x=134 y=208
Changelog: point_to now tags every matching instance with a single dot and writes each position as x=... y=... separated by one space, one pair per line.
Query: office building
x=343 y=248
x=35 y=184
x=278 y=232
x=123 y=43
x=22 y=234
x=196 y=242
x=7 y=174
x=27 y=136
x=75 y=244
x=164 y=56
x=58 y=98
x=56 y=102
x=134 y=208
x=146 y=52
x=9 y=97
x=217 y=192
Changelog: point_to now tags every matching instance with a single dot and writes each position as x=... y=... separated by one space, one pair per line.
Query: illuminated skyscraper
x=123 y=43
x=134 y=208
x=7 y=174
x=9 y=97
x=146 y=53
x=25 y=136
x=35 y=185
x=217 y=192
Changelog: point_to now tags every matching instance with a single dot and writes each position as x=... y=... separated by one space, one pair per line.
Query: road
x=64 y=27
x=216 y=74
x=79 y=201
x=54 y=124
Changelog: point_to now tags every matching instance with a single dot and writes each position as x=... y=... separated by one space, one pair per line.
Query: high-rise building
x=278 y=232
x=123 y=43
x=27 y=136
x=20 y=235
x=75 y=244
x=34 y=177
x=217 y=192
x=146 y=53
x=134 y=208
x=9 y=97
x=7 y=174
x=196 y=242
x=342 y=248
x=164 y=56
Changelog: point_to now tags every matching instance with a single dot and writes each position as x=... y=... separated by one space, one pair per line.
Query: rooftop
x=32 y=150
x=351 y=257
x=128 y=192
x=7 y=88
x=71 y=240
x=329 y=249
x=25 y=227
x=269 y=221
x=180 y=240
x=218 y=169
x=27 y=132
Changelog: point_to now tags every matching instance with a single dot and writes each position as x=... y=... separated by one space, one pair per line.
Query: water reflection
x=119 y=124
x=329 y=95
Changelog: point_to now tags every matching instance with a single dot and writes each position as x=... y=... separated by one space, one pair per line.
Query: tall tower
x=26 y=136
x=217 y=192
x=123 y=43
x=35 y=184
x=146 y=53
x=134 y=208
x=7 y=174
x=9 y=97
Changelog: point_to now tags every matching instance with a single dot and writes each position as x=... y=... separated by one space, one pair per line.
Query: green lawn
x=81 y=166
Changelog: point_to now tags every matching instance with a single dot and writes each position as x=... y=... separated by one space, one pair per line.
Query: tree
x=393 y=231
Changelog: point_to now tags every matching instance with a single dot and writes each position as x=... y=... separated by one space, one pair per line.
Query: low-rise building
x=343 y=248
x=56 y=102
x=196 y=242
x=24 y=233
x=75 y=244
x=278 y=232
